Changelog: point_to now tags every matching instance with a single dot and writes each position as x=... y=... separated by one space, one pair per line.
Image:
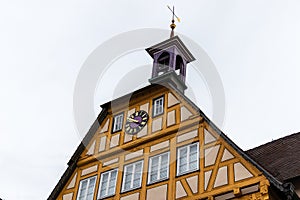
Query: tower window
x=163 y=63
x=164 y=59
x=118 y=122
x=158 y=168
x=107 y=186
x=132 y=177
x=158 y=106
x=86 y=189
x=188 y=158
x=179 y=65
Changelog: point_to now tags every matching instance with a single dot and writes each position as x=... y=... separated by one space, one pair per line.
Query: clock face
x=136 y=122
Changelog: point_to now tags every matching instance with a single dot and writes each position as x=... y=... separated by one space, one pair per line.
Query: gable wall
x=222 y=172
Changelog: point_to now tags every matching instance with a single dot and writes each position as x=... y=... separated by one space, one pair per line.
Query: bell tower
x=155 y=143
x=170 y=59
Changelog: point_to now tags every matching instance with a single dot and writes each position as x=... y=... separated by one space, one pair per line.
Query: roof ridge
x=273 y=141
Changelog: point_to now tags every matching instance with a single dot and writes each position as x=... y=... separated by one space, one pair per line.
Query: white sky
x=254 y=44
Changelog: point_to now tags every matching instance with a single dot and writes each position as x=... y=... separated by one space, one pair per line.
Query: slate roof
x=279 y=157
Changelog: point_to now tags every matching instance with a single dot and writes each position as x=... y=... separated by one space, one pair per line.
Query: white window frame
x=188 y=159
x=159 y=168
x=118 y=123
x=132 y=178
x=87 y=187
x=108 y=181
x=158 y=110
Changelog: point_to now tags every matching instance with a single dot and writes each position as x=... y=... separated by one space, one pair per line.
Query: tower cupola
x=170 y=59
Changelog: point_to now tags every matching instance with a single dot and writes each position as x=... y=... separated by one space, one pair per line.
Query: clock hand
x=133 y=120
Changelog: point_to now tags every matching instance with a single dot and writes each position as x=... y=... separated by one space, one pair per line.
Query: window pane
x=112 y=182
x=164 y=173
x=83 y=189
x=108 y=183
x=159 y=167
x=90 y=192
x=188 y=158
x=158 y=106
x=183 y=160
x=132 y=176
x=164 y=166
x=165 y=159
x=115 y=123
x=128 y=177
x=193 y=157
x=104 y=184
x=154 y=169
x=86 y=190
x=137 y=175
x=118 y=120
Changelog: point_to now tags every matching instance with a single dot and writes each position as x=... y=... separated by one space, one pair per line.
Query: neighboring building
x=281 y=158
x=162 y=146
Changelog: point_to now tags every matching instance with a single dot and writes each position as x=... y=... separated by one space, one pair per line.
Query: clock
x=136 y=122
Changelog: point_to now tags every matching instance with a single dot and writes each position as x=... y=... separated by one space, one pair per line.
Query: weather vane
x=173 y=25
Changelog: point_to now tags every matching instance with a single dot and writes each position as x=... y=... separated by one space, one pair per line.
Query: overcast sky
x=254 y=45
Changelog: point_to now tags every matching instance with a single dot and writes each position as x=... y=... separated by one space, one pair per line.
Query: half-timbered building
x=156 y=144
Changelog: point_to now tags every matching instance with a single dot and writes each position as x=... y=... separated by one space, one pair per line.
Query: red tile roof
x=280 y=157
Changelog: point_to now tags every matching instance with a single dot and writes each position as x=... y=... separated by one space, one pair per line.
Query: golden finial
x=173 y=25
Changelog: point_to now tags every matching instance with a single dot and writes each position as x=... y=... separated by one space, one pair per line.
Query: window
x=107 y=184
x=179 y=65
x=118 y=122
x=86 y=189
x=164 y=59
x=158 y=168
x=158 y=106
x=188 y=158
x=132 y=177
